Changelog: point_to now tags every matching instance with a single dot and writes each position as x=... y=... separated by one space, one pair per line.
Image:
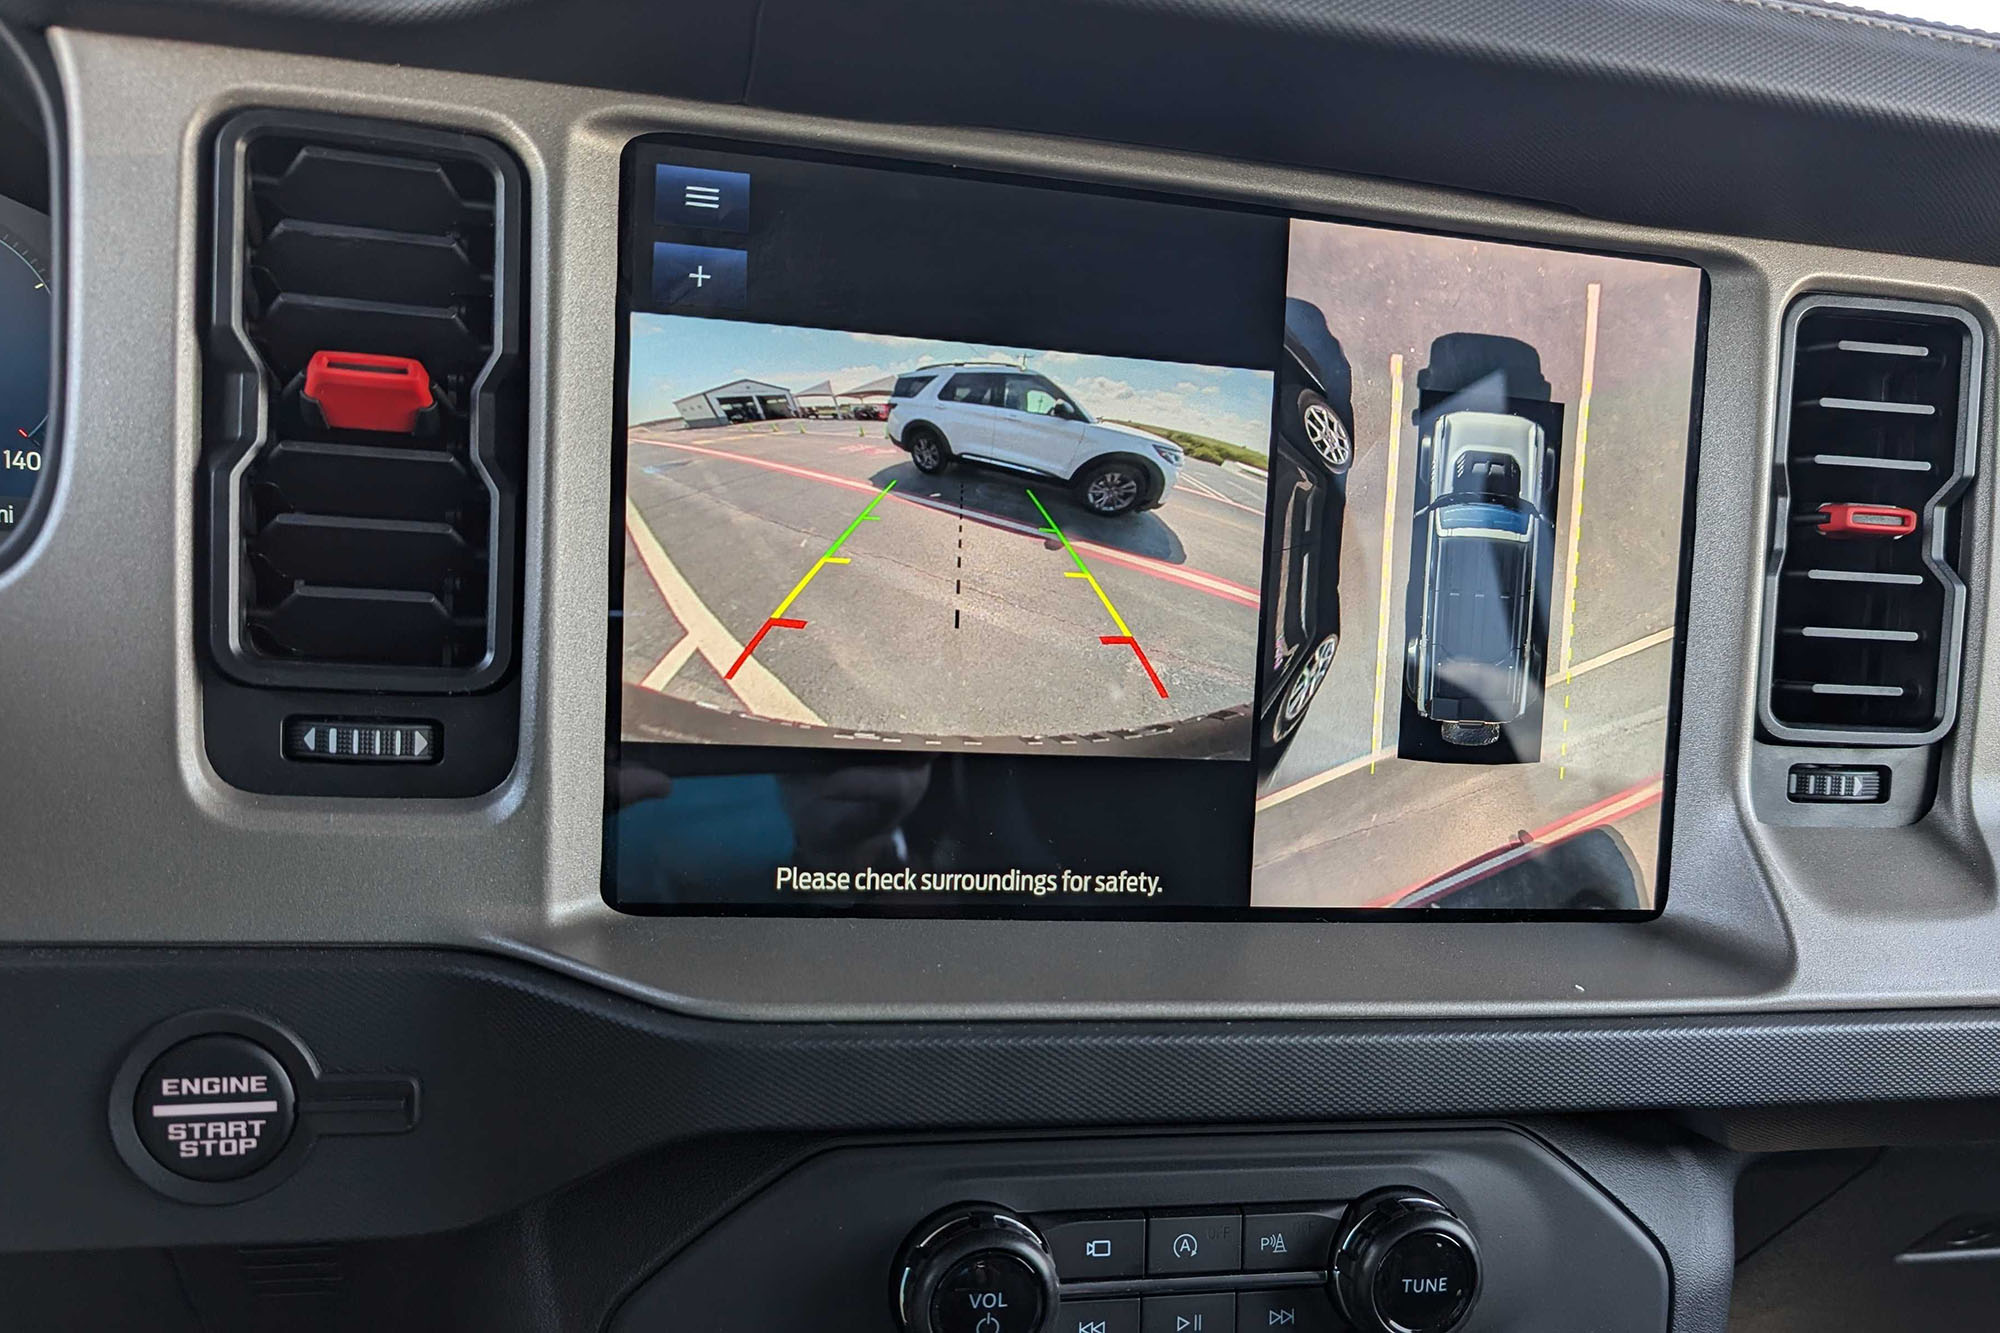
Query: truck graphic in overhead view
x=1470 y=664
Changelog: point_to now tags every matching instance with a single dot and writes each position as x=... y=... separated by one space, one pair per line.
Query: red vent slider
x=362 y=391
x=1859 y=520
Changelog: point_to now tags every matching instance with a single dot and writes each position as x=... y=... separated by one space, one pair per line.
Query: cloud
x=1179 y=408
x=883 y=339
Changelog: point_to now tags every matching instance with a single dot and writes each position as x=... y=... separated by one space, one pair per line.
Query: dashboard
x=645 y=649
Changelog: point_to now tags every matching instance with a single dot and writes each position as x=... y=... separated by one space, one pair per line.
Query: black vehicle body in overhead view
x=1470 y=664
x=1481 y=552
x=1311 y=451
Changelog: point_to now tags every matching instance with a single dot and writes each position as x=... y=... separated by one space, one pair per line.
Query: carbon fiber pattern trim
x=530 y=1081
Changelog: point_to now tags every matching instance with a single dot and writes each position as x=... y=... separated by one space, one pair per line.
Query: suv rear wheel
x=1325 y=431
x=1111 y=487
x=1298 y=696
x=927 y=449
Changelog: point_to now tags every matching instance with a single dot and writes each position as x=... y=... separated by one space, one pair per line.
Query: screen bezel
x=636 y=154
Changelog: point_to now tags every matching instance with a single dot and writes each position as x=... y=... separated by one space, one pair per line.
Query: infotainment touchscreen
x=993 y=546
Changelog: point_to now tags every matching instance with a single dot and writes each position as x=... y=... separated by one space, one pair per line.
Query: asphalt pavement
x=935 y=610
x=1343 y=822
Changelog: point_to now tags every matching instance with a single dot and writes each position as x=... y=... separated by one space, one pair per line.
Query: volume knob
x=975 y=1268
x=1404 y=1264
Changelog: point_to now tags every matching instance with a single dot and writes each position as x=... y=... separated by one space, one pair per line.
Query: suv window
x=978 y=390
x=1032 y=393
x=909 y=386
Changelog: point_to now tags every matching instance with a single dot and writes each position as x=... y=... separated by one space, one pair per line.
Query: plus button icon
x=700 y=275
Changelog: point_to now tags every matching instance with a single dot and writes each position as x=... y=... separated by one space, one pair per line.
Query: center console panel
x=1479 y=1228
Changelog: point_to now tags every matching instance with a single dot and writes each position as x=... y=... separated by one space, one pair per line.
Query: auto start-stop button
x=215 y=1108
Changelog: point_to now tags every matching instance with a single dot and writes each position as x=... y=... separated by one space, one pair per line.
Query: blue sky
x=674 y=356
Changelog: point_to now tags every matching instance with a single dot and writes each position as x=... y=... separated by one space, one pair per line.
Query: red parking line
x=757 y=638
x=1198 y=580
x=1133 y=644
x=1610 y=810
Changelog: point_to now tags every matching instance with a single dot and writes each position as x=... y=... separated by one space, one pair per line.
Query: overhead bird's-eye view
x=1033 y=666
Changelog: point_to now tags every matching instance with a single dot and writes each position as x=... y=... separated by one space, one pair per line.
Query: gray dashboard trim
x=530 y=1081
x=1749 y=117
x=117 y=832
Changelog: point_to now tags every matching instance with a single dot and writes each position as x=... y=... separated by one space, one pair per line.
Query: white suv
x=1000 y=415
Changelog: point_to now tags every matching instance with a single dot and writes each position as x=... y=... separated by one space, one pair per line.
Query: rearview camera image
x=842 y=539
x=1477 y=479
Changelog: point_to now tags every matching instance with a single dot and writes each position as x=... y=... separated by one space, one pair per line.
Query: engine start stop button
x=215 y=1108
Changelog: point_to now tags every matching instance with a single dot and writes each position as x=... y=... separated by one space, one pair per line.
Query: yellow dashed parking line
x=1591 y=293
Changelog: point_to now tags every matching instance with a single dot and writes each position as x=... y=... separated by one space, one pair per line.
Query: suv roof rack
x=951 y=365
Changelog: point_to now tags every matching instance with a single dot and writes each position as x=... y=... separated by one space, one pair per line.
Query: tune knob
x=1404 y=1264
x=975 y=1269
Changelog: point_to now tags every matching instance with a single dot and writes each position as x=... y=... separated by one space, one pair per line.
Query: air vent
x=1876 y=434
x=366 y=453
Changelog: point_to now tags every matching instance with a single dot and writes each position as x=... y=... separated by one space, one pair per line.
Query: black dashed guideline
x=958 y=584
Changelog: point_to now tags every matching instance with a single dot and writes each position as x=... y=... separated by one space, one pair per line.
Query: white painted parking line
x=1208 y=492
x=669 y=665
x=1653 y=640
x=761 y=692
x=1272 y=800
x=1369 y=760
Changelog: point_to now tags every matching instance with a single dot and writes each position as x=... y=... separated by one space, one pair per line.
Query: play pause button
x=1210 y=1312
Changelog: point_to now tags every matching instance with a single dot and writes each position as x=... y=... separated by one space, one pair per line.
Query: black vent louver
x=364 y=560
x=1877 y=430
